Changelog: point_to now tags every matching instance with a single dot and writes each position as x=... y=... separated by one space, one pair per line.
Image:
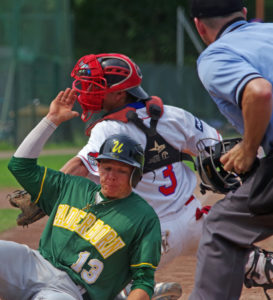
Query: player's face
x=115 y=178
x=114 y=100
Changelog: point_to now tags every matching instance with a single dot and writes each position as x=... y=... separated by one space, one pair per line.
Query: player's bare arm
x=257 y=106
x=138 y=294
x=75 y=166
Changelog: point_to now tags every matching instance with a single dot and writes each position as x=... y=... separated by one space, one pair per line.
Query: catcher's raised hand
x=60 y=109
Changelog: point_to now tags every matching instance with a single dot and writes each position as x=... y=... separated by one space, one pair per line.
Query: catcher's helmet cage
x=210 y=169
x=122 y=148
x=96 y=75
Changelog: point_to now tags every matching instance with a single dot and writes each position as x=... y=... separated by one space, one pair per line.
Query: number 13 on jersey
x=91 y=275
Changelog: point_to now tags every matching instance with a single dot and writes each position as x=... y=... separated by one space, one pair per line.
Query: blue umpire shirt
x=243 y=51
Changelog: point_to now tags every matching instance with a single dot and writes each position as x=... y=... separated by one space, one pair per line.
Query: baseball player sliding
x=98 y=237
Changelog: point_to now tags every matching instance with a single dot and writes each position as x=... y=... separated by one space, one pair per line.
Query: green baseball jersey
x=102 y=244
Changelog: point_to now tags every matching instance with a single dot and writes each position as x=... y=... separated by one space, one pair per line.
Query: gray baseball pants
x=25 y=275
x=228 y=235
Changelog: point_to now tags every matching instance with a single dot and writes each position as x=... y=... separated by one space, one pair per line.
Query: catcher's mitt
x=30 y=212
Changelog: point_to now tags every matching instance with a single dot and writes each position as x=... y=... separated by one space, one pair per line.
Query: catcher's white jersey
x=166 y=189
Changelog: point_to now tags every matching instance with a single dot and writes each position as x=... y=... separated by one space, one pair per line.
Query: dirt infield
x=180 y=270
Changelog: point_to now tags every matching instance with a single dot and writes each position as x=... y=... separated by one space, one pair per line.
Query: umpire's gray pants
x=229 y=232
x=25 y=275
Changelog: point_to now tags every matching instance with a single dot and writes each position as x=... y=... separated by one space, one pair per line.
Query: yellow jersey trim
x=41 y=189
x=144 y=264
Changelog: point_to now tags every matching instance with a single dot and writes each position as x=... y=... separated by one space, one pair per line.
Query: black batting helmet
x=122 y=148
x=210 y=169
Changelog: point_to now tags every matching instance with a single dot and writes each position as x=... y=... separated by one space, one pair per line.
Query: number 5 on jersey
x=168 y=190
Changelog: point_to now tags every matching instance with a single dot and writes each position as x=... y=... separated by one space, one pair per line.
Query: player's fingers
x=224 y=158
x=72 y=94
x=75 y=114
x=75 y=94
x=71 y=98
x=63 y=95
x=74 y=98
x=237 y=169
x=228 y=165
x=59 y=96
x=66 y=94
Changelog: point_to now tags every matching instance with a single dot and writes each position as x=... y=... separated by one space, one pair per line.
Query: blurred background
x=41 y=40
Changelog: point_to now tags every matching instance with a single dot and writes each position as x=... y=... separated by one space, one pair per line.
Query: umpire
x=236 y=69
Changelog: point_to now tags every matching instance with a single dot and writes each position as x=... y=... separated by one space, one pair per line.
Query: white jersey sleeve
x=191 y=129
x=166 y=189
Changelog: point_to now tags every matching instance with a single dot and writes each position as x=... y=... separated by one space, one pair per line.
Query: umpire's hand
x=238 y=159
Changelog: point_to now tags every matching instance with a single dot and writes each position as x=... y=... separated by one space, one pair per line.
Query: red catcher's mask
x=97 y=75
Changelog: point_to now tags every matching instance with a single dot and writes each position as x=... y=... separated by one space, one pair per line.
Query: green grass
x=52 y=161
x=78 y=142
x=8 y=218
x=6 y=179
x=5 y=146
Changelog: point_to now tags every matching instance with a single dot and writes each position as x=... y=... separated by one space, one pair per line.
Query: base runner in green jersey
x=98 y=237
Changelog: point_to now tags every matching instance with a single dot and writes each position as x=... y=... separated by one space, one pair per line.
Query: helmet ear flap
x=136 y=176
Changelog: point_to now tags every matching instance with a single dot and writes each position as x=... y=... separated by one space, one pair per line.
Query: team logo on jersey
x=92 y=229
x=161 y=154
x=92 y=158
x=199 y=124
x=158 y=148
